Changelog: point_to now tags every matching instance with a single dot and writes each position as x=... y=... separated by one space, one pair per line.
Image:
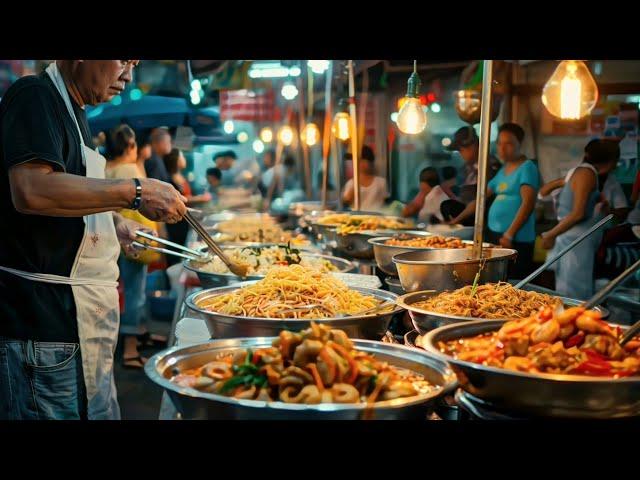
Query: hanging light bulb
x=571 y=92
x=258 y=146
x=289 y=91
x=266 y=135
x=341 y=126
x=285 y=135
x=411 y=117
x=318 y=66
x=242 y=137
x=310 y=134
x=228 y=126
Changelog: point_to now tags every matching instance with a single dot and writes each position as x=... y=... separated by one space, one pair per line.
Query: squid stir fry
x=574 y=342
x=317 y=365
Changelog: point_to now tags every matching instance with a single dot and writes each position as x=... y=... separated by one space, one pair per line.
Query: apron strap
x=57 y=279
x=58 y=81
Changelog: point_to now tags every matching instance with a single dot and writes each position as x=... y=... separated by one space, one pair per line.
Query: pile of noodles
x=492 y=300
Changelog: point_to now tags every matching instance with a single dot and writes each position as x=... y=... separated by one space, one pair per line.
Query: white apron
x=93 y=280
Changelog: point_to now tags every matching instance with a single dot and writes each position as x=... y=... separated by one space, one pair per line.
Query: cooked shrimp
x=546 y=332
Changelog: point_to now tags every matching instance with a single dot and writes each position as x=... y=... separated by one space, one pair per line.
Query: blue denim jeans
x=41 y=381
x=134 y=276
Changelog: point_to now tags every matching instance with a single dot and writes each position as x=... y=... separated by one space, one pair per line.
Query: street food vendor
x=60 y=243
x=576 y=214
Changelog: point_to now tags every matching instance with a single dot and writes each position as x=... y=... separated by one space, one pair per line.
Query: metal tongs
x=239 y=269
x=194 y=254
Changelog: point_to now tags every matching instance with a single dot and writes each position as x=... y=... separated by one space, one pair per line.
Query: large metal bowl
x=325 y=234
x=193 y=404
x=357 y=244
x=211 y=221
x=384 y=253
x=212 y=280
x=545 y=395
x=450 y=268
x=220 y=325
x=426 y=320
x=458 y=231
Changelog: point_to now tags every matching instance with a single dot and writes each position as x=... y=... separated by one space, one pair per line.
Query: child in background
x=428 y=201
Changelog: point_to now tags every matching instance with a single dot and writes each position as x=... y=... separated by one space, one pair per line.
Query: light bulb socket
x=413 y=85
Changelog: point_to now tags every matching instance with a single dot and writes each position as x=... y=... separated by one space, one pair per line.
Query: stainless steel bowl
x=450 y=269
x=425 y=320
x=458 y=231
x=212 y=280
x=545 y=395
x=384 y=253
x=220 y=325
x=193 y=404
x=211 y=221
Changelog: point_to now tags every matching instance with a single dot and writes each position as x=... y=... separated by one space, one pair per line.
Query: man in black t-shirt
x=45 y=192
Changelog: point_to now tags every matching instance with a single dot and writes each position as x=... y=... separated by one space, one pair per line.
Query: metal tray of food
x=372 y=326
x=425 y=320
x=195 y=404
x=539 y=394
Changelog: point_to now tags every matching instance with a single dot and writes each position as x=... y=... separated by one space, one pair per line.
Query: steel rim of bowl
x=379 y=242
x=509 y=256
x=401 y=301
x=490 y=326
x=450 y=381
x=374 y=292
x=346 y=265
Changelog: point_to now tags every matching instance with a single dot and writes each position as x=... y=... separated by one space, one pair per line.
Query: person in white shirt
x=373 y=189
x=427 y=202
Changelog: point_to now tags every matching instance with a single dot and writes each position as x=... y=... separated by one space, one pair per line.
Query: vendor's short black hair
x=430 y=176
x=225 y=153
x=365 y=154
x=449 y=172
x=513 y=128
x=601 y=151
x=214 y=172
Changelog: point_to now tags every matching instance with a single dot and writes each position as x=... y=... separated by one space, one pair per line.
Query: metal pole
x=304 y=148
x=483 y=156
x=326 y=134
x=354 y=139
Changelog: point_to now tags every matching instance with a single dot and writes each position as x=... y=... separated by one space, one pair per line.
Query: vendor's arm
x=549 y=187
x=469 y=210
x=348 y=194
x=126 y=232
x=412 y=208
x=582 y=183
x=528 y=196
x=37 y=189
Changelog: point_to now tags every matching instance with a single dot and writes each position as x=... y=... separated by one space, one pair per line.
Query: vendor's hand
x=161 y=201
x=548 y=241
x=126 y=233
x=451 y=221
x=505 y=242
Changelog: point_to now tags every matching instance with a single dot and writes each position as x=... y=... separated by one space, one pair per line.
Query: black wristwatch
x=137 y=201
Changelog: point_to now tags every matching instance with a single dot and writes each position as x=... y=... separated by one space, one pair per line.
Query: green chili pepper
x=234 y=382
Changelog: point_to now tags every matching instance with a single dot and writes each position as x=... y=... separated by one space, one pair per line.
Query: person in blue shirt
x=511 y=223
